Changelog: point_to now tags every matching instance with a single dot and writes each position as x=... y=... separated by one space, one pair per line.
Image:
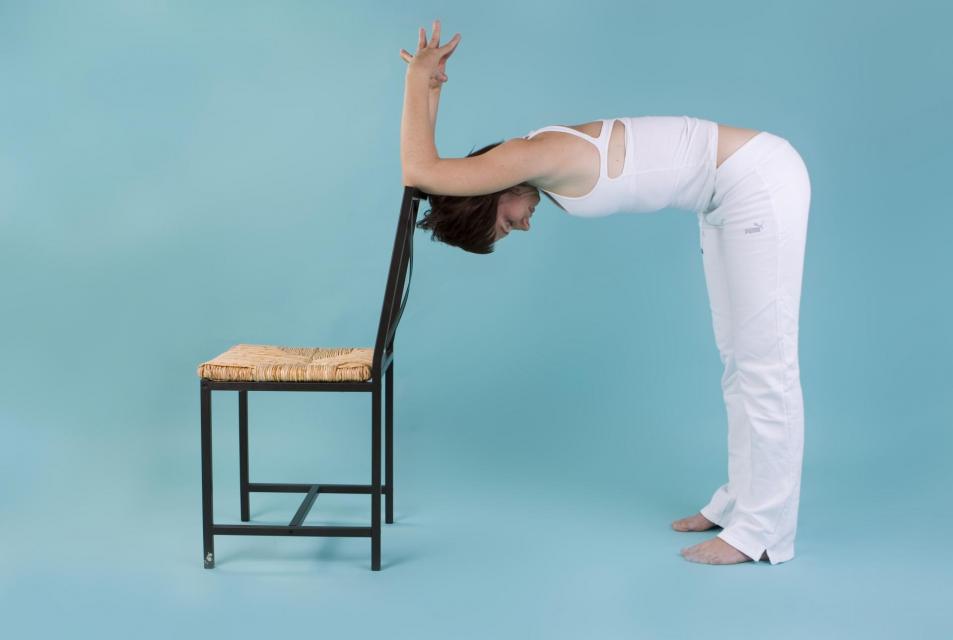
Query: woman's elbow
x=410 y=174
x=416 y=175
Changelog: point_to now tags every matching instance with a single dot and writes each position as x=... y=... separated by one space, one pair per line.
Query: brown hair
x=468 y=222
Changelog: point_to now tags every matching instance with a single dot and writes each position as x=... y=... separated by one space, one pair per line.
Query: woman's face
x=515 y=208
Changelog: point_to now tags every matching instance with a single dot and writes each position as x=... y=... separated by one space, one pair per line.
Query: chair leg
x=207 y=537
x=389 y=443
x=376 y=477
x=243 y=452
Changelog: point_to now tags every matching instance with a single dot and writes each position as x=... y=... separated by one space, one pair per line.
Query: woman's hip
x=766 y=173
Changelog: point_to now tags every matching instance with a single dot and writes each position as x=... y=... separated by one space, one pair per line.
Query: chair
x=245 y=368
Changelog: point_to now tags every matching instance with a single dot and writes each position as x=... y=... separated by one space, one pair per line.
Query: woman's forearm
x=417 y=148
x=434 y=103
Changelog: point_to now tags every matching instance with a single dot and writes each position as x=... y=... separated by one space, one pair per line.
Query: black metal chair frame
x=382 y=366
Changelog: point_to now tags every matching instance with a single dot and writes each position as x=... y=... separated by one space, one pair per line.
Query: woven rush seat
x=271 y=363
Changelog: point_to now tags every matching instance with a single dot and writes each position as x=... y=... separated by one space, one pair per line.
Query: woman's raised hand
x=431 y=58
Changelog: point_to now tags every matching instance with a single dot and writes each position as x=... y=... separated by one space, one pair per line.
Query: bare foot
x=697 y=522
x=716 y=551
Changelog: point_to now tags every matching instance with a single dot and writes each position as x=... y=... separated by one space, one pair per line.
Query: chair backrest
x=401 y=264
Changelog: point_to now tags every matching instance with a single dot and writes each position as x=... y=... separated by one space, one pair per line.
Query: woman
x=751 y=192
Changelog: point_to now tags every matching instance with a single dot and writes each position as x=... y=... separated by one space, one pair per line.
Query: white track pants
x=752 y=237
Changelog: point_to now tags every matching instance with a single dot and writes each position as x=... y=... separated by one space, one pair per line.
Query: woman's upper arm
x=508 y=164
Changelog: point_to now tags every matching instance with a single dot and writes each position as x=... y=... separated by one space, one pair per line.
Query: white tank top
x=669 y=163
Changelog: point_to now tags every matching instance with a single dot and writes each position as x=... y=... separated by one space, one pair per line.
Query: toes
x=686 y=524
x=693 y=553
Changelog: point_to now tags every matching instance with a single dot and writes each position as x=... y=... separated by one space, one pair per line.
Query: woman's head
x=475 y=223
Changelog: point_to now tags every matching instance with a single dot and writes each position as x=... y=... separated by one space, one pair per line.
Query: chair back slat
x=402 y=292
x=395 y=293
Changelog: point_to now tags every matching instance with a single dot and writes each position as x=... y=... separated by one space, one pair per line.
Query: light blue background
x=178 y=177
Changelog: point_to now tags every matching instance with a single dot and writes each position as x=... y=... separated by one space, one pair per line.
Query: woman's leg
x=720 y=506
x=753 y=243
